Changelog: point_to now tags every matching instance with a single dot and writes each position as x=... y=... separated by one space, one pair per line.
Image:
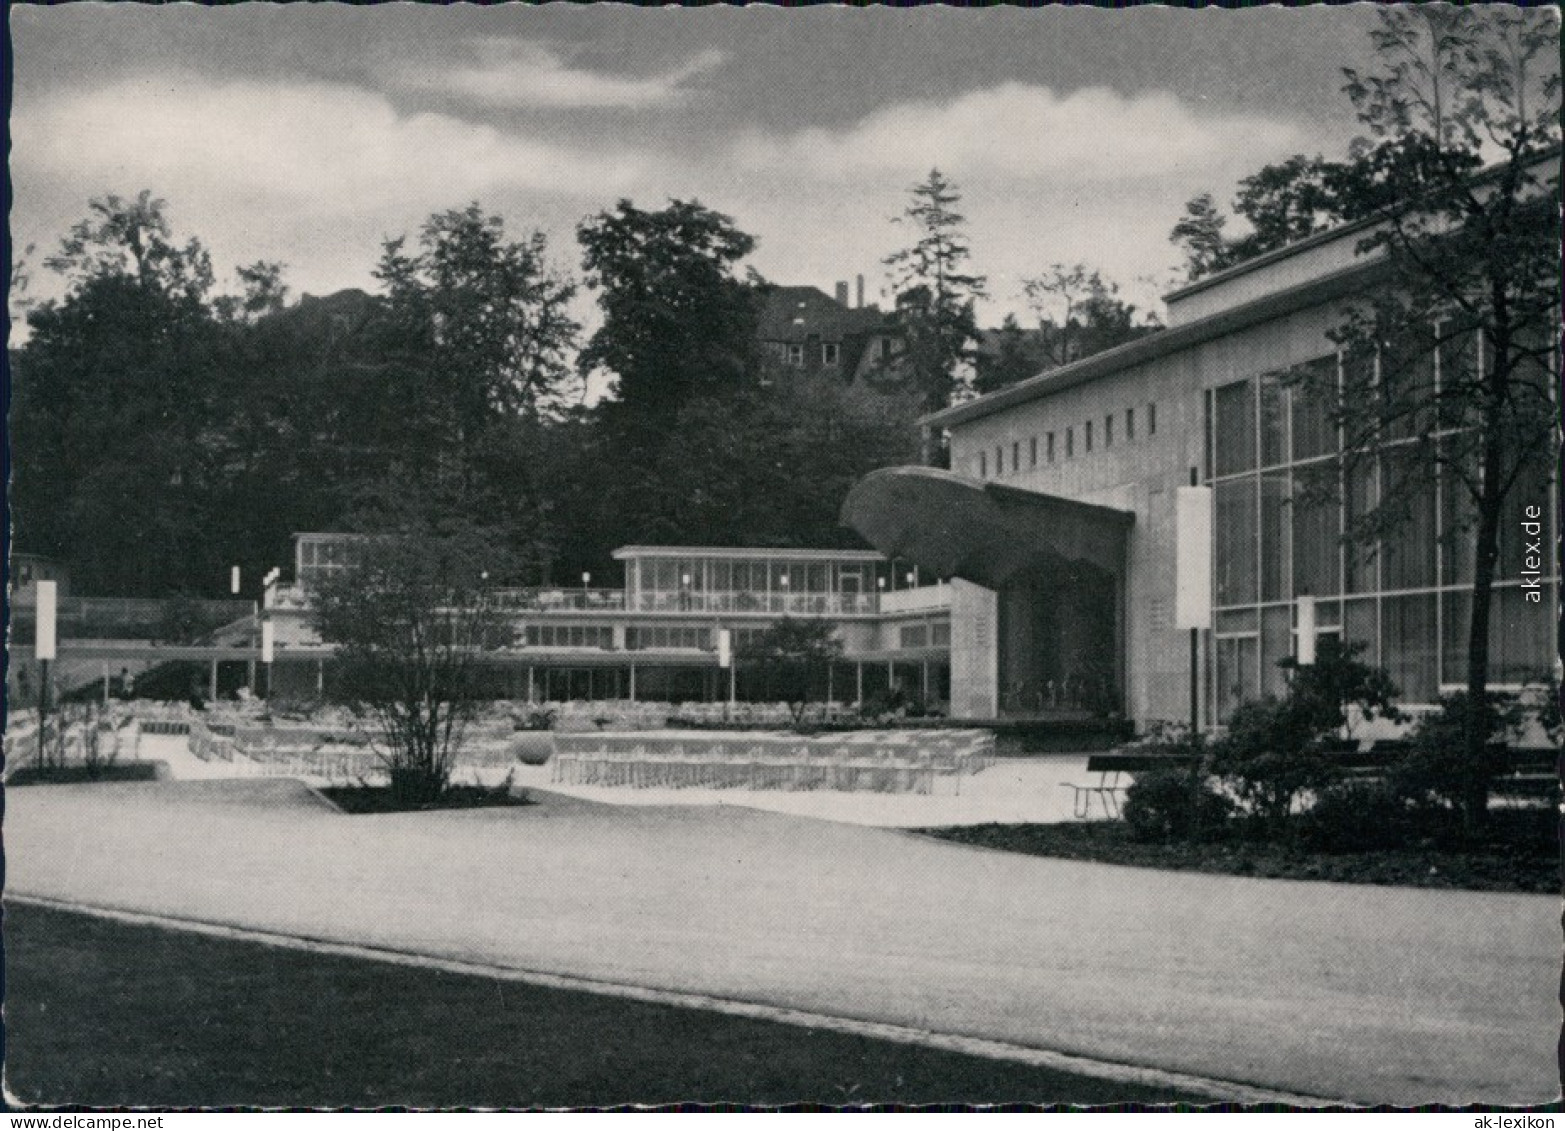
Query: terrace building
x=656 y=638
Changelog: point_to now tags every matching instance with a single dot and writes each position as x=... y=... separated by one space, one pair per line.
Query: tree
x=676 y=320
x=1281 y=204
x=1200 y=234
x=410 y=621
x=1080 y=314
x=116 y=404
x=793 y=656
x=935 y=296
x=769 y=467
x=484 y=326
x=1007 y=356
x=1470 y=276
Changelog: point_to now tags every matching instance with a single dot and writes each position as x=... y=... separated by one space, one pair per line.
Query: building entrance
x=1058 y=638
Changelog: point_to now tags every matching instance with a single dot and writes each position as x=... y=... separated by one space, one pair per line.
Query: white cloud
x=316 y=147
x=1017 y=131
x=519 y=75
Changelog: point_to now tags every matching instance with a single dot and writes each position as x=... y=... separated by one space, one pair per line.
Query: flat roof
x=1157 y=344
x=1242 y=314
x=748 y=553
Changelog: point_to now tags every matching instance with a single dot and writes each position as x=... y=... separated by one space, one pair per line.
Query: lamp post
x=586 y=582
x=786 y=605
x=880 y=592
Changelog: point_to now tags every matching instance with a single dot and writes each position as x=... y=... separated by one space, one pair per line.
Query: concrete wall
x=975 y=684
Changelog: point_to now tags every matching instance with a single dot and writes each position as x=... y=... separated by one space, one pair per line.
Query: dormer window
x=831 y=353
x=796 y=354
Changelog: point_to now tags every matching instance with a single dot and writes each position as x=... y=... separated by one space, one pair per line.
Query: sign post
x=268 y=598
x=1307 y=629
x=725 y=660
x=1193 y=578
x=44 y=652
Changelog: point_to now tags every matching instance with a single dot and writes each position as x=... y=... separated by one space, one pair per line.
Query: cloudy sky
x=308 y=133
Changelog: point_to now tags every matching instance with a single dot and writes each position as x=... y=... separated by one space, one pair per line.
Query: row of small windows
x=792 y=353
x=570 y=636
x=643 y=637
x=1068 y=444
x=637 y=637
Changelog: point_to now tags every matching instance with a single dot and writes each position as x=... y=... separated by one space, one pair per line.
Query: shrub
x=1166 y=805
x=1358 y=816
x=1435 y=771
x=1271 y=754
x=1322 y=692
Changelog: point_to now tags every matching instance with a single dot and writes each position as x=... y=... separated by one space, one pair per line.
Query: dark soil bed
x=1520 y=853
x=78 y=775
x=380 y=799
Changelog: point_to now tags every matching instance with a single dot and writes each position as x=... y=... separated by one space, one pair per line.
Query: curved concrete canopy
x=982 y=532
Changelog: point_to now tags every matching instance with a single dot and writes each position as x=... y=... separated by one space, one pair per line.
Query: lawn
x=104 y=1013
x=1519 y=854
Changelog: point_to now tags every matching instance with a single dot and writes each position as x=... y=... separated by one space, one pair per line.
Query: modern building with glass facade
x=1211 y=399
x=656 y=638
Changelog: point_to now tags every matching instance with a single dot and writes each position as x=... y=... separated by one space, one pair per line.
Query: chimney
x=842 y=294
x=861 y=291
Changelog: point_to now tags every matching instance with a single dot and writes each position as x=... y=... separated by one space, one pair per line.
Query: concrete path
x=1359 y=993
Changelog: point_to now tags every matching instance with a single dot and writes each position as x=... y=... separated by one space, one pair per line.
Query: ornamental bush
x=1166 y=805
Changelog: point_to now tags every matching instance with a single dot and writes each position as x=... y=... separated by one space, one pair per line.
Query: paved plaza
x=1348 y=992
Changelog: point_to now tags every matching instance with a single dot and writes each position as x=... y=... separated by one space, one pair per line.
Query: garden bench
x=1109 y=768
x=1530 y=774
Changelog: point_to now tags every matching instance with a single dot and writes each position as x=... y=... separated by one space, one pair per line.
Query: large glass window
x=1408 y=644
x=1235 y=436
x=1235 y=564
x=1410 y=544
x=1407 y=386
x=1237 y=674
x=1362 y=557
x=1275 y=505
x=1316 y=546
x=1312 y=392
x=1361 y=625
x=1274 y=421
x=1276 y=644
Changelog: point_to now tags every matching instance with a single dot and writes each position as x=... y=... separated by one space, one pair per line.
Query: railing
x=936 y=596
x=796 y=604
x=131 y=618
x=540 y=599
x=543 y=599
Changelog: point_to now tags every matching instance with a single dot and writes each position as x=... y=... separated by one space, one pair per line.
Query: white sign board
x=725 y=647
x=266 y=642
x=1192 y=557
x=1305 y=649
x=47 y=609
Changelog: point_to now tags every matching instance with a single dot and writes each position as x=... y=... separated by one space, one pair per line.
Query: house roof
x=796 y=314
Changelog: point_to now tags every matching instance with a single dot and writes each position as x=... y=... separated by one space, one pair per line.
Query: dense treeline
x=163 y=431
